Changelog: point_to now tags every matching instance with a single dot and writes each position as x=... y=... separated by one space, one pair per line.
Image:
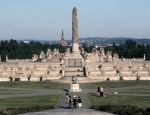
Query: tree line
x=21 y=50
x=130 y=49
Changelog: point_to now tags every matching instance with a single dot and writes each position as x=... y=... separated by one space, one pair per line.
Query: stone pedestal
x=74 y=88
x=75 y=48
x=74 y=60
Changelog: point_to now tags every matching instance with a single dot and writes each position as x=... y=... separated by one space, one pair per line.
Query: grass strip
x=119 y=100
x=117 y=84
x=44 y=100
x=32 y=85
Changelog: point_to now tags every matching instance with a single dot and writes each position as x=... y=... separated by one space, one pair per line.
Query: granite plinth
x=75 y=88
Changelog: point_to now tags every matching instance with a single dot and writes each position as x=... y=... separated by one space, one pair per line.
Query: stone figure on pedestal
x=94 y=51
x=55 y=52
x=74 y=86
x=74 y=80
x=116 y=57
x=35 y=57
x=67 y=53
x=48 y=53
x=42 y=56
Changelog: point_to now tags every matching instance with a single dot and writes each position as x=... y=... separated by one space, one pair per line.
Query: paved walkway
x=69 y=112
x=62 y=108
x=63 y=103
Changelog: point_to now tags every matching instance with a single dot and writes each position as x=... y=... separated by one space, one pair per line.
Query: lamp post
x=132 y=67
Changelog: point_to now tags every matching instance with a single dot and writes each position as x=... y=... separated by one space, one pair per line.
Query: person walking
x=70 y=102
x=79 y=102
x=101 y=91
x=67 y=94
x=98 y=90
x=74 y=102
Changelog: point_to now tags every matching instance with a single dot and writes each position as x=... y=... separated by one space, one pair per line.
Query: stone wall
x=123 y=70
x=29 y=71
x=36 y=71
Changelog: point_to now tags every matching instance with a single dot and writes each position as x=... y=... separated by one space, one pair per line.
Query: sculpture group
x=43 y=57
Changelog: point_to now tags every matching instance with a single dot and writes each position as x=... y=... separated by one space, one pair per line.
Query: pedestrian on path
x=101 y=91
x=70 y=102
x=74 y=102
x=98 y=90
x=67 y=94
x=79 y=102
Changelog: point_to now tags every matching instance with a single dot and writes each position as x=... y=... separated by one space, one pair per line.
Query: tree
x=130 y=43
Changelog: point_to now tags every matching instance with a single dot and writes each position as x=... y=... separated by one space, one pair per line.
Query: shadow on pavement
x=63 y=107
x=94 y=94
x=66 y=90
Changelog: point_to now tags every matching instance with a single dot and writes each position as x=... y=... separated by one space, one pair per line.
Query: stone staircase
x=74 y=71
x=78 y=72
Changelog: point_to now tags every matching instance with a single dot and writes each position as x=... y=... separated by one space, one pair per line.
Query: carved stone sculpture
x=48 y=53
x=75 y=44
x=95 y=51
x=42 y=56
x=74 y=80
x=101 y=51
x=116 y=57
x=35 y=57
x=67 y=53
x=55 y=52
x=82 y=50
x=109 y=56
x=74 y=25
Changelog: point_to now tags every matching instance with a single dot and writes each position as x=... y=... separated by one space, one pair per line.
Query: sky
x=45 y=19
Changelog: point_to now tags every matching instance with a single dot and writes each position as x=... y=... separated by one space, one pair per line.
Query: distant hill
x=98 y=40
x=95 y=40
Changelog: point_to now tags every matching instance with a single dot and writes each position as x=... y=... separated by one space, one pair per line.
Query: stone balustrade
x=19 y=60
x=110 y=72
x=133 y=59
x=129 y=77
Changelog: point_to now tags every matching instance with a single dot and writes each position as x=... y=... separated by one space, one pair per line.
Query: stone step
x=74 y=69
x=69 y=112
x=79 y=80
x=74 y=73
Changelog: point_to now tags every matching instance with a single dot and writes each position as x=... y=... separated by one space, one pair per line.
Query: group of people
x=74 y=102
x=100 y=91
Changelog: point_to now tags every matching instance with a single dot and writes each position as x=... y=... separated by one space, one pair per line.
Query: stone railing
x=19 y=60
x=133 y=59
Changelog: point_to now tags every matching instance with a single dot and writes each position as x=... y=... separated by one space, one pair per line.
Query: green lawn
x=142 y=90
x=33 y=85
x=46 y=100
x=117 y=84
x=13 y=91
x=119 y=100
x=132 y=87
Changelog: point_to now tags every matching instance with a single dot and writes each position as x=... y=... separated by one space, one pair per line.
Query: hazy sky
x=45 y=19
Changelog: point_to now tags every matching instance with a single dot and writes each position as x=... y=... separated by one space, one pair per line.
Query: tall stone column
x=75 y=44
